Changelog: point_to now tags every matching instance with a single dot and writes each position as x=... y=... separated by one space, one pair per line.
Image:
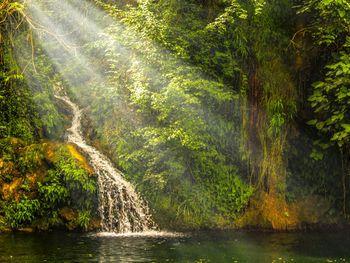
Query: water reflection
x=195 y=247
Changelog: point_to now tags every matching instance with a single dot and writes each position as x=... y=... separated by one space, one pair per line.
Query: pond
x=236 y=247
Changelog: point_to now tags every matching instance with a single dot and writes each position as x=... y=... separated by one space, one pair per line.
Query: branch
x=32 y=44
x=295 y=35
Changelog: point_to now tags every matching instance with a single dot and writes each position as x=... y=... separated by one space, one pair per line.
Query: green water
x=194 y=247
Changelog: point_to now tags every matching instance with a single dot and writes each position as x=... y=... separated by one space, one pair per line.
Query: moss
x=24 y=169
x=269 y=212
x=9 y=190
x=34 y=178
x=26 y=230
x=70 y=218
x=7 y=170
x=68 y=214
x=80 y=158
x=274 y=213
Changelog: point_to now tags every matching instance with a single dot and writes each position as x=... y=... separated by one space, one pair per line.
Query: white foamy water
x=120 y=207
x=152 y=234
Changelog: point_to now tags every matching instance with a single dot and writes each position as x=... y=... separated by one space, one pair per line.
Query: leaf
x=326 y=2
x=320 y=125
x=341 y=13
x=346 y=127
x=318 y=84
x=312 y=122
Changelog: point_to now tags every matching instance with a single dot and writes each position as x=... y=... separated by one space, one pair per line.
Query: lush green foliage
x=24 y=212
x=250 y=48
x=52 y=190
x=199 y=103
x=330 y=97
x=80 y=186
x=28 y=109
x=175 y=128
x=68 y=185
x=28 y=112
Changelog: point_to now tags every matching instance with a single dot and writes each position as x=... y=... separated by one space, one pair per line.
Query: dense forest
x=223 y=113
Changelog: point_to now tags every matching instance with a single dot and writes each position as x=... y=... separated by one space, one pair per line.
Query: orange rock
x=33 y=178
x=9 y=189
x=68 y=213
x=26 y=229
x=7 y=168
x=17 y=142
x=94 y=224
x=49 y=153
x=73 y=151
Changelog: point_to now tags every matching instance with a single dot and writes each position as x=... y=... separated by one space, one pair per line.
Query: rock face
x=36 y=191
x=11 y=189
x=270 y=213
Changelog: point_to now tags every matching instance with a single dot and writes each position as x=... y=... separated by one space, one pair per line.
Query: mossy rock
x=80 y=158
x=26 y=230
x=11 y=189
x=70 y=217
x=68 y=214
x=38 y=160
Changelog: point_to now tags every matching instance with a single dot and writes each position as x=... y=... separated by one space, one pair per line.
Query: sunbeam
x=149 y=73
x=145 y=123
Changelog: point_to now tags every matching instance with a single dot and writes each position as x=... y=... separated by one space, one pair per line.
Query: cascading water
x=120 y=208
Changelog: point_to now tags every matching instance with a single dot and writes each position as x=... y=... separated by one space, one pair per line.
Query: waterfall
x=120 y=207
